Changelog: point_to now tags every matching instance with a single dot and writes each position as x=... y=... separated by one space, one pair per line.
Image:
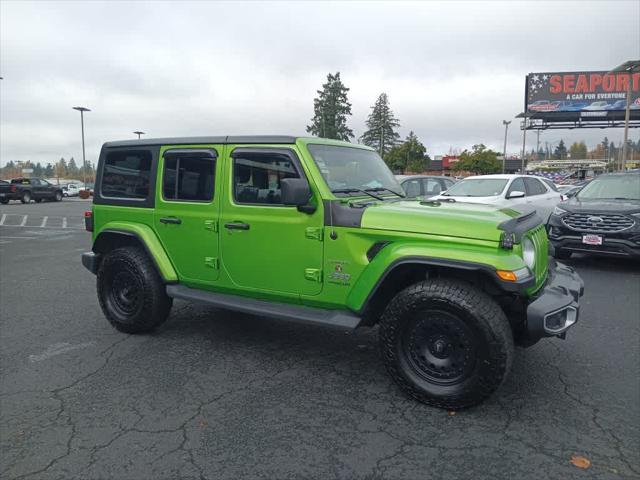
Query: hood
x=491 y=199
x=459 y=219
x=578 y=205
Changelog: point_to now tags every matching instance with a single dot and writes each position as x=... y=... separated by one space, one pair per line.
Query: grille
x=597 y=223
x=539 y=238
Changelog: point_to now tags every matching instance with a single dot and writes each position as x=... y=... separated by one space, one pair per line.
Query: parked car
x=316 y=231
x=424 y=185
x=523 y=192
x=5 y=192
x=603 y=218
x=70 y=190
x=27 y=189
x=597 y=106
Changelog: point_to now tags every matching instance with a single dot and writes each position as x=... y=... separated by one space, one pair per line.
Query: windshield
x=624 y=187
x=345 y=168
x=477 y=187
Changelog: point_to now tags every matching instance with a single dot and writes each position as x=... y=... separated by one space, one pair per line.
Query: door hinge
x=211 y=262
x=313 y=233
x=211 y=225
x=313 y=274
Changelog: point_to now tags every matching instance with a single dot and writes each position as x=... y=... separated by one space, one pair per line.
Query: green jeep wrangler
x=318 y=231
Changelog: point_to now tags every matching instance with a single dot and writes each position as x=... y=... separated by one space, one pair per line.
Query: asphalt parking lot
x=219 y=395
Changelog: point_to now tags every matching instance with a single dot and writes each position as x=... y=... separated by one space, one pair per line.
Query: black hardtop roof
x=217 y=140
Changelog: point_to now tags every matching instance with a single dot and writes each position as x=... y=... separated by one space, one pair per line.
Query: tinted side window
x=188 y=177
x=517 y=186
x=431 y=186
x=412 y=188
x=257 y=177
x=534 y=187
x=550 y=184
x=126 y=174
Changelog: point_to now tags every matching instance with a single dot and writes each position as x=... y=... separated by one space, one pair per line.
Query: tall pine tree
x=330 y=110
x=380 y=133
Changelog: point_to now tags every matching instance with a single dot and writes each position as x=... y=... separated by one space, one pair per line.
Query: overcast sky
x=453 y=70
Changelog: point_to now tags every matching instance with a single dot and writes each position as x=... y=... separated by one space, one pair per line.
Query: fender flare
x=393 y=256
x=149 y=241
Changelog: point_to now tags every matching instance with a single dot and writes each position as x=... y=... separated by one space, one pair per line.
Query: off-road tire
x=26 y=197
x=440 y=305
x=562 y=254
x=130 y=291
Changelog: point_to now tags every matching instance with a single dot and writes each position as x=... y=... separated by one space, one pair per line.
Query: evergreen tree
x=380 y=133
x=48 y=171
x=72 y=168
x=410 y=156
x=330 y=110
x=560 y=153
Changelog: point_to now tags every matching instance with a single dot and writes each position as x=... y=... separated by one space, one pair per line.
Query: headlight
x=528 y=253
x=558 y=211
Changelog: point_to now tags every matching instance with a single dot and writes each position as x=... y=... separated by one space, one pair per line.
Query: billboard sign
x=591 y=95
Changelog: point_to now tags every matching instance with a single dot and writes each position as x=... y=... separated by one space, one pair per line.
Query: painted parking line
x=39 y=221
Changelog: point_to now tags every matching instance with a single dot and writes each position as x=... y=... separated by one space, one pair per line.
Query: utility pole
x=84 y=161
x=537 y=144
x=504 y=150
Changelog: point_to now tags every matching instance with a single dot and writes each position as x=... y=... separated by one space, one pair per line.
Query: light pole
x=504 y=150
x=84 y=161
x=524 y=143
x=138 y=132
x=630 y=67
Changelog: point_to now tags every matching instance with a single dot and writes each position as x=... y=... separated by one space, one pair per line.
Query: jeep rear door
x=187 y=210
x=267 y=246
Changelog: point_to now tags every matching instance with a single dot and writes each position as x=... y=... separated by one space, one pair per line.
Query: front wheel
x=58 y=196
x=446 y=343
x=131 y=292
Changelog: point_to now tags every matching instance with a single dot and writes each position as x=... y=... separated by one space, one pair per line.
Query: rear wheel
x=446 y=343
x=131 y=292
x=58 y=196
x=26 y=197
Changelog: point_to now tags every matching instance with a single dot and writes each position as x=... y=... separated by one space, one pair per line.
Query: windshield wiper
x=384 y=189
x=357 y=190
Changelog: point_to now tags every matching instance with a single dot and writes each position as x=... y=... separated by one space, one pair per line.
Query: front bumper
x=557 y=306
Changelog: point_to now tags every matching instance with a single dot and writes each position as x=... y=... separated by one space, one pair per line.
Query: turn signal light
x=507 y=275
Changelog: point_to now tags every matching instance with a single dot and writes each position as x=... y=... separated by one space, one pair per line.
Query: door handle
x=174 y=220
x=236 y=226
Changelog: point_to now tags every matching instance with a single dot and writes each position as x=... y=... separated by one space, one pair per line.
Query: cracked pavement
x=214 y=394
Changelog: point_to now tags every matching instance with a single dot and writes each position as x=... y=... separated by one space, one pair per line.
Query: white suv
x=527 y=192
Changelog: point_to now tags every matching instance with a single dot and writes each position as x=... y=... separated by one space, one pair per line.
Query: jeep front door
x=267 y=246
x=187 y=209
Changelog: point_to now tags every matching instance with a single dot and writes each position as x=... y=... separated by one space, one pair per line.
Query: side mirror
x=516 y=194
x=296 y=192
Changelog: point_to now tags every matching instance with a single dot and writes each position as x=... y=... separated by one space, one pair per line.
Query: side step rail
x=343 y=319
